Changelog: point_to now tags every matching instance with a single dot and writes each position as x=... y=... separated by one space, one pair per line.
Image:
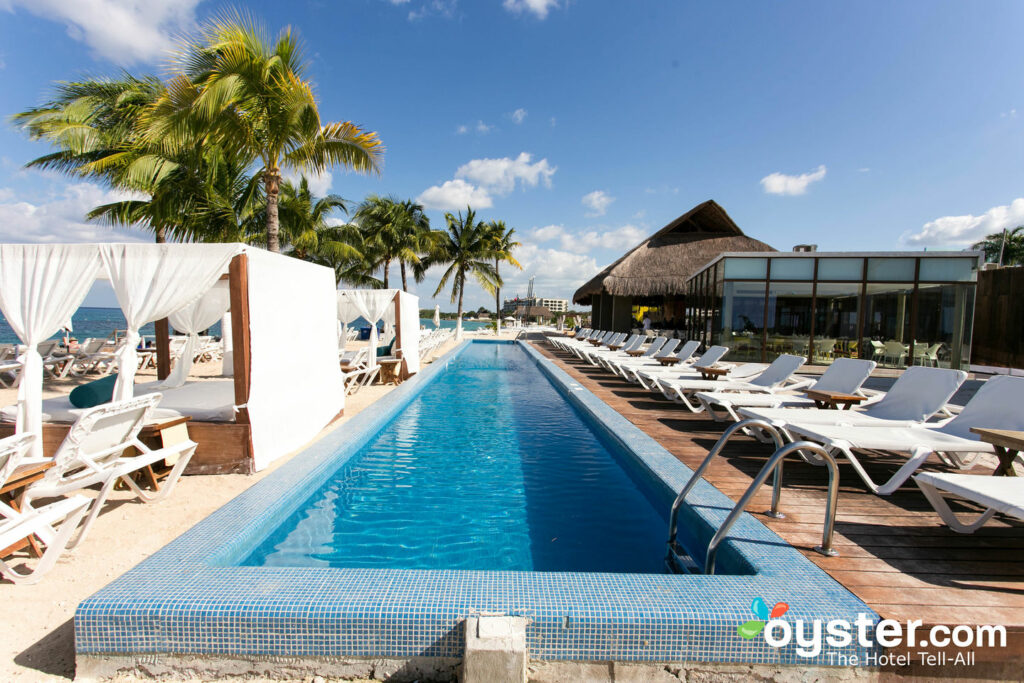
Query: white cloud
x=483 y=128
x=462 y=130
x=122 y=31
x=780 y=183
x=598 y=202
x=519 y=115
x=441 y=8
x=500 y=176
x=864 y=169
x=455 y=194
x=539 y=8
x=553 y=121
x=319 y=183
x=1012 y=114
x=619 y=239
x=62 y=217
x=963 y=231
x=559 y=273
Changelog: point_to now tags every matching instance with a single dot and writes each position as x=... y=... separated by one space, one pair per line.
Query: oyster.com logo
x=749 y=629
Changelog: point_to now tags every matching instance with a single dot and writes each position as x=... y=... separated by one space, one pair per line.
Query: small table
x=12 y=490
x=160 y=435
x=389 y=370
x=1008 y=445
x=713 y=373
x=834 y=399
x=667 y=360
x=615 y=347
x=636 y=353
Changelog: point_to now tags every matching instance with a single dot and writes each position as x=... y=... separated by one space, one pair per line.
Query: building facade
x=556 y=306
x=897 y=308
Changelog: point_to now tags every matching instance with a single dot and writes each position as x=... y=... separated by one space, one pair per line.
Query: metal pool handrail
x=774 y=464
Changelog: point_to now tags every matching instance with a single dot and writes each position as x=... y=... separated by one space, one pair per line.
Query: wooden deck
x=895 y=554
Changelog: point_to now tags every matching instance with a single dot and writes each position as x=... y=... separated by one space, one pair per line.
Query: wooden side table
x=713 y=373
x=834 y=399
x=636 y=353
x=160 y=435
x=389 y=370
x=1008 y=445
x=667 y=360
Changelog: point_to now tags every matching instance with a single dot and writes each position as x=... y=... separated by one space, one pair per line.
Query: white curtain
x=228 y=363
x=152 y=282
x=371 y=304
x=192 y=320
x=40 y=287
x=348 y=312
x=409 y=338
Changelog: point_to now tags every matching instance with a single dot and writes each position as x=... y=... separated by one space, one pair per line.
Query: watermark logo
x=749 y=629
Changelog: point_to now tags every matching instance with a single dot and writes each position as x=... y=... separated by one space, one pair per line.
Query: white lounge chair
x=772 y=378
x=628 y=365
x=93 y=452
x=996 y=494
x=658 y=346
x=16 y=525
x=651 y=377
x=843 y=376
x=631 y=343
x=997 y=405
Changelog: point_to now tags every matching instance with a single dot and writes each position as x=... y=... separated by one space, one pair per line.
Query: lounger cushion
x=1004 y=494
x=93 y=393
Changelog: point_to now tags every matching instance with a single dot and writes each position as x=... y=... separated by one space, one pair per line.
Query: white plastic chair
x=93 y=453
x=995 y=494
x=768 y=381
x=16 y=525
x=651 y=378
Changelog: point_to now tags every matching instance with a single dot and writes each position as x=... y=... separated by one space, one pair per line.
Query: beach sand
x=36 y=633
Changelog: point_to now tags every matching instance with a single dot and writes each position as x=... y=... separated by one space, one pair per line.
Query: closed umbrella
x=437 y=315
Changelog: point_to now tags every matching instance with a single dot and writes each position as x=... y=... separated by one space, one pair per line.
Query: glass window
x=940 y=336
x=789 y=319
x=746 y=268
x=890 y=269
x=948 y=269
x=840 y=269
x=792 y=269
x=835 y=321
x=886 y=337
x=742 y=319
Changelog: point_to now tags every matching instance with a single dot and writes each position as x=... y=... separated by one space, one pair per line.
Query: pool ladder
x=678 y=559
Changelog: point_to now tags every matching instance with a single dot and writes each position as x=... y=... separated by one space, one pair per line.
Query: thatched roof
x=663 y=262
x=533 y=311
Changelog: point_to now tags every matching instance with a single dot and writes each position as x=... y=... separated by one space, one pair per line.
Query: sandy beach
x=37 y=637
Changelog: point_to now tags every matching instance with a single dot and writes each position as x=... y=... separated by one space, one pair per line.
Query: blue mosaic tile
x=189 y=598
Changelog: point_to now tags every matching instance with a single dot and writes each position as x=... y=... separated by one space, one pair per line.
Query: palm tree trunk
x=497 y=303
x=462 y=288
x=405 y=283
x=387 y=267
x=161 y=235
x=272 y=182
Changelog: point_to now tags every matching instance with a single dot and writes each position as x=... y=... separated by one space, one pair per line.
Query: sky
x=588 y=125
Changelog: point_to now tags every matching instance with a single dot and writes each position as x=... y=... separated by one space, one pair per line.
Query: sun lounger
x=996 y=494
x=649 y=378
x=631 y=343
x=774 y=377
x=997 y=405
x=658 y=346
x=684 y=356
x=844 y=376
x=16 y=525
x=93 y=452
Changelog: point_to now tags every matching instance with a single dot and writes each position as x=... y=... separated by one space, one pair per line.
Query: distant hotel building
x=553 y=305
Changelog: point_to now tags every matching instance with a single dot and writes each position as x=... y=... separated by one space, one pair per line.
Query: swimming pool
x=205 y=596
x=512 y=478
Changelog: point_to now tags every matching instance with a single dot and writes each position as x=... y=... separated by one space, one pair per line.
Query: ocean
x=101 y=322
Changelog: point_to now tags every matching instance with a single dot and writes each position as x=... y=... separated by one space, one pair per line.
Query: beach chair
x=650 y=378
x=843 y=376
x=630 y=343
x=684 y=356
x=94 y=452
x=997 y=405
x=995 y=494
x=657 y=346
x=633 y=343
x=768 y=381
x=16 y=525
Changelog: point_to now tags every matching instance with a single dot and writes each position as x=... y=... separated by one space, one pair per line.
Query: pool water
x=488 y=468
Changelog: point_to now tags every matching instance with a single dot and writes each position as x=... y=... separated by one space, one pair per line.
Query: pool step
x=679 y=561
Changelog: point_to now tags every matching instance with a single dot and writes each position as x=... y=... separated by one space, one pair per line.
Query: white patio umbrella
x=437 y=315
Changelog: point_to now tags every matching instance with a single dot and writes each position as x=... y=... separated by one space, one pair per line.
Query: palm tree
x=502 y=245
x=308 y=232
x=467 y=248
x=241 y=90
x=397 y=231
x=1005 y=248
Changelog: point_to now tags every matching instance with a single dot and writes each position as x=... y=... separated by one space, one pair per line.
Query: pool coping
x=188 y=598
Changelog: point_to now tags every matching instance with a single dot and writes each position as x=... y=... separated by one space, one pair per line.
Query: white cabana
x=375 y=305
x=286 y=385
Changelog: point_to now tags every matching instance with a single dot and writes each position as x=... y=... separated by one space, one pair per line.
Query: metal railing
x=774 y=465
